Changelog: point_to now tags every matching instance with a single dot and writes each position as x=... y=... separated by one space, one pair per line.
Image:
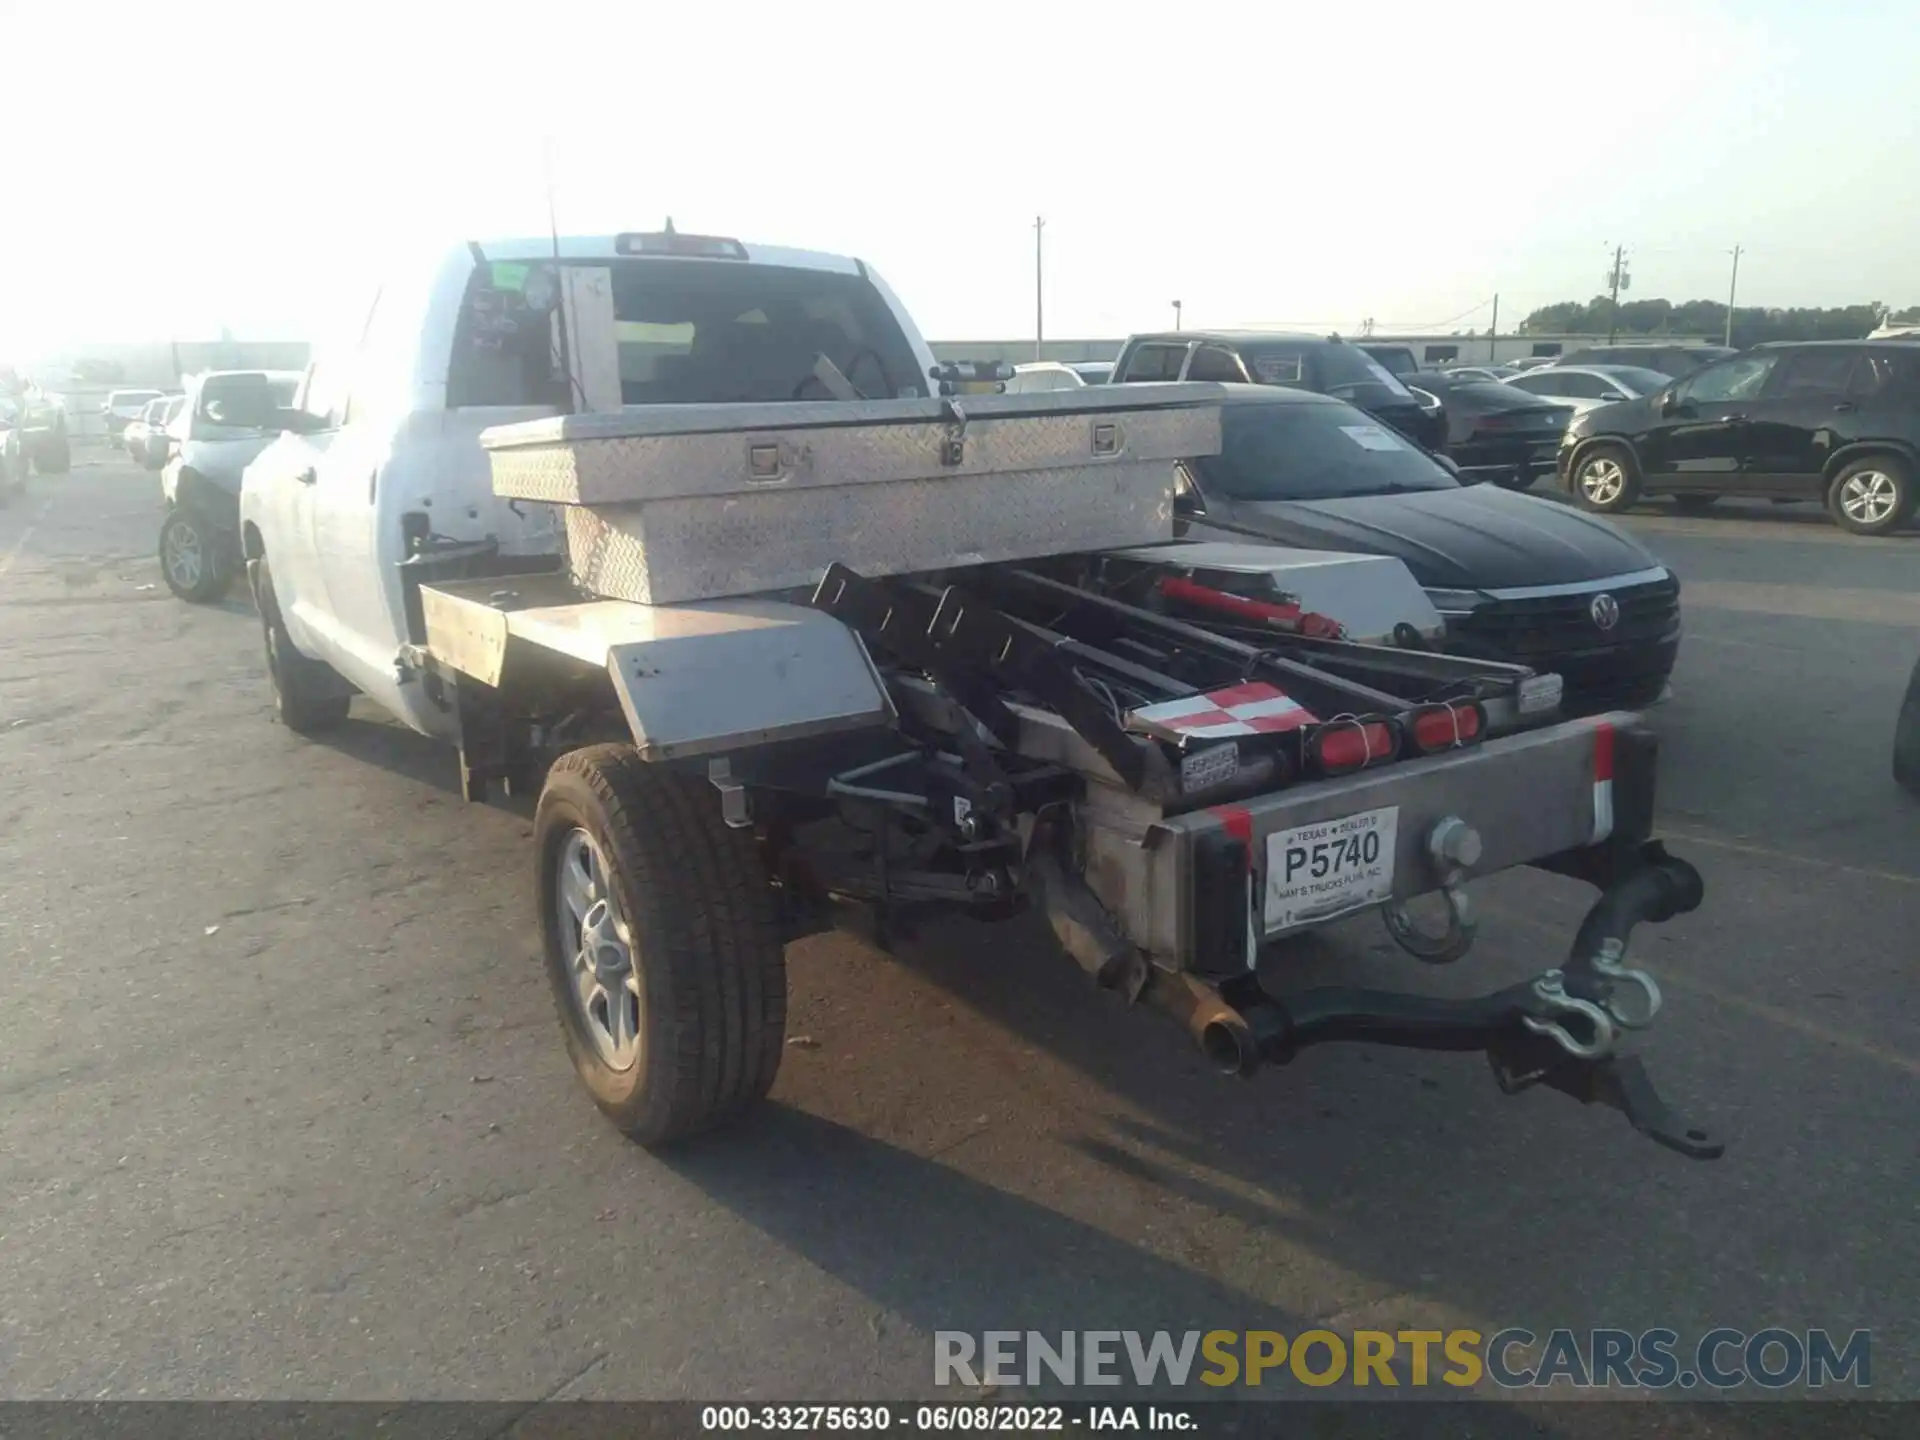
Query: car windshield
x=1395 y=358
x=1313 y=452
x=1351 y=373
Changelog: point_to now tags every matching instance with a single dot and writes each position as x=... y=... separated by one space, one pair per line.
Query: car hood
x=1475 y=537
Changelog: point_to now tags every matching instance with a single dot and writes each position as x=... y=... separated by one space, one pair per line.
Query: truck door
x=288 y=474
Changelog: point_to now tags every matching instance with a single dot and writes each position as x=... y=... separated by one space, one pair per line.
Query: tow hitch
x=1560 y=1029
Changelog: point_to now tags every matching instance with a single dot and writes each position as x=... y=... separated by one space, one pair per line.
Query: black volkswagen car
x=1323 y=363
x=1517 y=578
x=1834 y=421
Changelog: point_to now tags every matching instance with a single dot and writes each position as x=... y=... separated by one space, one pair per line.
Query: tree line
x=1751 y=324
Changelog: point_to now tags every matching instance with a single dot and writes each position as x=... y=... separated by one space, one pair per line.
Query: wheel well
x=1866 y=451
x=1616 y=442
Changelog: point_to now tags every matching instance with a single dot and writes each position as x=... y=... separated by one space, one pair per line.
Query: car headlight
x=1456 y=602
x=1425 y=399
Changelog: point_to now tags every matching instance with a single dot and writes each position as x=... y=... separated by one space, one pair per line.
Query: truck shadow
x=1409 y=1171
x=943 y=1251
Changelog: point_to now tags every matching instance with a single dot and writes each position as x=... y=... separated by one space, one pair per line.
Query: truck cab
x=379 y=463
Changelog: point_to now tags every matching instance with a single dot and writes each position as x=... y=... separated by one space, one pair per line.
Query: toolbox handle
x=768 y=462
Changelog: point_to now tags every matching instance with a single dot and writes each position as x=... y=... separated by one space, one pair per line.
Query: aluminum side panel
x=684 y=549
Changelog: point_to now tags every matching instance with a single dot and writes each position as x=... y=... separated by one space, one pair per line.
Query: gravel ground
x=285 y=1111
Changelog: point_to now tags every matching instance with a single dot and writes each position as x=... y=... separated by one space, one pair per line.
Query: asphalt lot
x=285 y=1112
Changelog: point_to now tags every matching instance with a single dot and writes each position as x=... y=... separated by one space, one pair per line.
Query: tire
x=308 y=696
x=1606 y=478
x=1694 y=504
x=55 y=456
x=683 y=904
x=1872 y=496
x=193 y=560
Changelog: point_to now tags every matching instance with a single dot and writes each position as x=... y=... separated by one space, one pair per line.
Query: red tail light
x=1340 y=746
x=1433 y=728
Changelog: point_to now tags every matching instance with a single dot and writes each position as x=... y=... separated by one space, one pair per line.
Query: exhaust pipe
x=1220 y=1030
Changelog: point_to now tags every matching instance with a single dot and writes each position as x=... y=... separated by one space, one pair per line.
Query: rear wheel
x=1605 y=478
x=307 y=695
x=662 y=944
x=1872 y=496
x=193 y=559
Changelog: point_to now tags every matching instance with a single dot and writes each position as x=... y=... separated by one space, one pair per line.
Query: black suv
x=1831 y=420
x=1324 y=363
x=1674 y=360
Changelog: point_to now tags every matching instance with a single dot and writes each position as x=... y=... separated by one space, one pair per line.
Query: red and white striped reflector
x=1251 y=709
x=1602 y=782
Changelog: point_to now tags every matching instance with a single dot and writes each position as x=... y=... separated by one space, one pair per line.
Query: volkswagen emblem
x=1605 y=611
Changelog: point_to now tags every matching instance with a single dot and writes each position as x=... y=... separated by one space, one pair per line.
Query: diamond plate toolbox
x=695 y=502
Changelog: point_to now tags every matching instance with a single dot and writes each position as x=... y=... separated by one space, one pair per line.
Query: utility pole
x=1733 y=286
x=1617 y=280
x=1176 y=315
x=1039 y=303
x=1493 y=331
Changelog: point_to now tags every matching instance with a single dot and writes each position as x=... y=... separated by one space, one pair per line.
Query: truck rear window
x=689 y=332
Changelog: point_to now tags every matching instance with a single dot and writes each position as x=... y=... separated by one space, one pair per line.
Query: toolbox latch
x=765 y=465
x=1106 y=438
x=953 y=444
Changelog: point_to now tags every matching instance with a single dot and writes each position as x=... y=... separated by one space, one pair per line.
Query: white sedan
x=1586 y=387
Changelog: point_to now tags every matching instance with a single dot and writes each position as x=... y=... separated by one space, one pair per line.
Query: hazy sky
x=198 y=165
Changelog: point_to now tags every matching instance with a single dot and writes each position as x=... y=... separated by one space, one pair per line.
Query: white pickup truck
x=694 y=539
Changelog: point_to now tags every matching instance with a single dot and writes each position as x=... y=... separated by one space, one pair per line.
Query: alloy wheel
x=185 y=559
x=606 y=987
x=1602 y=480
x=1869 y=497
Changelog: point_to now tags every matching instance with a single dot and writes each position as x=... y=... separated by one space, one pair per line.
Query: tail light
x=1433 y=728
x=1342 y=746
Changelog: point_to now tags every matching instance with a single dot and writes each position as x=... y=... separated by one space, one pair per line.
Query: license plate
x=1319 y=871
